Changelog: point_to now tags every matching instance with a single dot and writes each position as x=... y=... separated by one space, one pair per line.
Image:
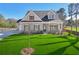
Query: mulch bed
x=27 y=51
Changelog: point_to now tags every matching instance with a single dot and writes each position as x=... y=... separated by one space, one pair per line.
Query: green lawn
x=73 y=28
x=49 y=44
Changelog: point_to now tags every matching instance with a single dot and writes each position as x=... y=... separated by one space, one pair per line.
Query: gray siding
x=53 y=26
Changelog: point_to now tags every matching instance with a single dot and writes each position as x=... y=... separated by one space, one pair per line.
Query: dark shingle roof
x=19 y=20
x=41 y=14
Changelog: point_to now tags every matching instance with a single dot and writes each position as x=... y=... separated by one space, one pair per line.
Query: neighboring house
x=40 y=21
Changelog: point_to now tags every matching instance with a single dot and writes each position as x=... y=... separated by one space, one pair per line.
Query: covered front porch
x=42 y=27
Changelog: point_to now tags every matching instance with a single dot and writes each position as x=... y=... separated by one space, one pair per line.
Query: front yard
x=48 y=44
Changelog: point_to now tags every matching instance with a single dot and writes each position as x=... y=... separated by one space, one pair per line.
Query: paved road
x=5 y=34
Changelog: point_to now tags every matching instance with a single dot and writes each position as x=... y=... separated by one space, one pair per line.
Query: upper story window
x=50 y=16
x=31 y=18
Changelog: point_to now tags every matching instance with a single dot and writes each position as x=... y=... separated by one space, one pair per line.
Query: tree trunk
x=76 y=23
x=71 y=24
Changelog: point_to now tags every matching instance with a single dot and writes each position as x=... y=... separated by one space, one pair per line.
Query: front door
x=45 y=28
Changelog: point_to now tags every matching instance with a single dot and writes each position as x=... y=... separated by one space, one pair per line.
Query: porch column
x=59 y=30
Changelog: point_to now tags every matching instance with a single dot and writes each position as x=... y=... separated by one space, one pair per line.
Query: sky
x=18 y=10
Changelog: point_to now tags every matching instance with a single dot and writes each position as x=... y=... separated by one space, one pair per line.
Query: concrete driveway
x=5 y=34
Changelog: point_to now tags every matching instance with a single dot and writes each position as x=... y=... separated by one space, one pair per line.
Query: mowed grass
x=73 y=28
x=48 y=44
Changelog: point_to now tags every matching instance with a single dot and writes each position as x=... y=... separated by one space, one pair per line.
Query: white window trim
x=50 y=16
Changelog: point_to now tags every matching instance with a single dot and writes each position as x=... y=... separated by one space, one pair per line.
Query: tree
x=2 y=20
x=77 y=21
x=11 y=22
x=76 y=13
x=61 y=13
x=70 y=11
x=73 y=9
x=69 y=22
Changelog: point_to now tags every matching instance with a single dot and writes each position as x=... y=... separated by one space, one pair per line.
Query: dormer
x=51 y=15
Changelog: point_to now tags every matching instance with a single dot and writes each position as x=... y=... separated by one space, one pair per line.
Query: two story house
x=40 y=21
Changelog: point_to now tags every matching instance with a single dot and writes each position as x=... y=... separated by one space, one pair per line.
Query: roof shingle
x=41 y=14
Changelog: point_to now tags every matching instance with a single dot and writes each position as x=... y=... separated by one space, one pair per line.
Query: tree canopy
x=61 y=13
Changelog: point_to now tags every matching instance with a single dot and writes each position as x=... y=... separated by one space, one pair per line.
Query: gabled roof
x=41 y=14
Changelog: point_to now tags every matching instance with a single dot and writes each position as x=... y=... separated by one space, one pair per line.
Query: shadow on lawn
x=68 y=40
x=76 y=47
x=52 y=43
x=60 y=51
x=12 y=40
